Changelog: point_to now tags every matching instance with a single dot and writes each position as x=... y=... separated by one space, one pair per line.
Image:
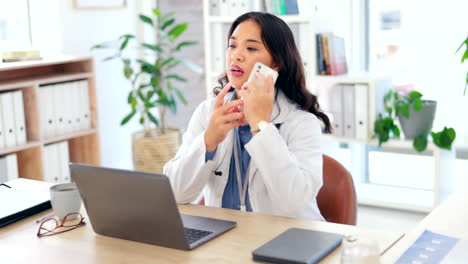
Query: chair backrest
x=337 y=198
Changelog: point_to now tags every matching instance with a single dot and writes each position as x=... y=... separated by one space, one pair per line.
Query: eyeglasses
x=51 y=226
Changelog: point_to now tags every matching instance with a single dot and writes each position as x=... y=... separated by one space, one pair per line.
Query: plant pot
x=419 y=122
x=151 y=152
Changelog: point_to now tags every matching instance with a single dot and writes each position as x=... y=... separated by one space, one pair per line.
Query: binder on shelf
x=361 y=110
x=48 y=120
x=217 y=55
x=257 y=5
x=75 y=107
x=8 y=119
x=224 y=7
x=64 y=160
x=214 y=7
x=3 y=170
x=51 y=163
x=60 y=108
x=20 y=124
x=8 y=168
x=84 y=104
x=305 y=40
x=12 y=166
x=348 y=110
x=336 y=108
x=2 y=130
x=68 y=99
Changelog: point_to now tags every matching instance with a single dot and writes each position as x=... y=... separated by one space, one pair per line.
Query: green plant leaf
x=128 y=117
x=176 y=77
x=133 y=103
x=176 y=31
x=185 y=43
x=451 y=133
x=153 y=47
x=100 y=46
x=414 y=95
x=420 y=142
x=154 y=82
x=172 y=104
x=149 y=95
x=141 y=96
x=146 y=19
x=396 y=130
x=173 y=64
x=156 y=12
x=167 y=61
x=165 y=17
x=153 y=119
x=130 y=97
x=444 y=138
x=168 y=23
x=110 y=57
x=149 y=105
x=388 y=96
x=127 y=36
x=417 y=105
x=389 y=110
x=465 y=55
x=128 y=71
x=124 y=44
x=403 y=109
x=181 y=96
x=142 y=120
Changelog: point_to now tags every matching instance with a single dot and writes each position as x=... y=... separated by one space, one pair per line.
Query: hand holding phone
x=259 y=96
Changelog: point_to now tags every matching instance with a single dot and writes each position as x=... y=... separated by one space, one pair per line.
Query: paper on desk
x=22 y=195
x=433 y=247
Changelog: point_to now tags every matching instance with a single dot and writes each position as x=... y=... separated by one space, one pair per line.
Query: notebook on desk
x=21 y=198
x=298 y=246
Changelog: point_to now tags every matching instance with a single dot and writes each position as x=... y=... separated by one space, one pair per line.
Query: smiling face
x=245 y=49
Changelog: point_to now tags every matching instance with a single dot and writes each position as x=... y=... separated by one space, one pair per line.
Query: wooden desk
x=450 y=218
x=19 y=244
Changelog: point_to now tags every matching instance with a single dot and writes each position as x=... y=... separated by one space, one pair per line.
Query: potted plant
x=464 y=57
x=153 y=86
x=415 y=116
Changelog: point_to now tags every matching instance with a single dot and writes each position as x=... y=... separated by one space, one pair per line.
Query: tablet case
x=297 y=245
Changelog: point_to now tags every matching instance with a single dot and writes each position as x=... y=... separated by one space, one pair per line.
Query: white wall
x=59 y=28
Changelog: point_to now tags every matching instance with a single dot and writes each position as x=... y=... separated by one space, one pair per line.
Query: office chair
x=336 y=199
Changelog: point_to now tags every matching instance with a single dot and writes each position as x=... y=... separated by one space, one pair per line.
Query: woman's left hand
x=258 y=97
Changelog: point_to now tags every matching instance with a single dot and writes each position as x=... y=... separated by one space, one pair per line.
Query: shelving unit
x=397 y=197
x=28 y=76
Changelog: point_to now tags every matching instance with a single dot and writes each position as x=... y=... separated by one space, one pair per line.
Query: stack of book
x=331 y=55
x=20 y=55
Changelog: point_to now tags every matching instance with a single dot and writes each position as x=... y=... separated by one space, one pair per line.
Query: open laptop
x=140 y=206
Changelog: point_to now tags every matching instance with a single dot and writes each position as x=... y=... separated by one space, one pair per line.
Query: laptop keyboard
x=195 y=234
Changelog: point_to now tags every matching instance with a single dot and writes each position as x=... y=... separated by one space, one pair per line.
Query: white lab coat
x=286 y=163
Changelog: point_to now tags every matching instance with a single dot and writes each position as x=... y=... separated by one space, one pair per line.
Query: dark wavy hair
x=279 y=40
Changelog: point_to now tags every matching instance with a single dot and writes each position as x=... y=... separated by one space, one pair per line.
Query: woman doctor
x=265 y=158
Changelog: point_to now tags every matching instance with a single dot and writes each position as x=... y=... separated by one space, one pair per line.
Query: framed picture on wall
x=99 y=4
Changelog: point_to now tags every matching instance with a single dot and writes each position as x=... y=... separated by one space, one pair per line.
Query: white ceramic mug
x=65 y=199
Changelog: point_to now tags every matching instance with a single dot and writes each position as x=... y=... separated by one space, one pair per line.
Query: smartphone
x=263 y=69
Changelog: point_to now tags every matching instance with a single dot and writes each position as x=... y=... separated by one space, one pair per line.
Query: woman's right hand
x=224 y=118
